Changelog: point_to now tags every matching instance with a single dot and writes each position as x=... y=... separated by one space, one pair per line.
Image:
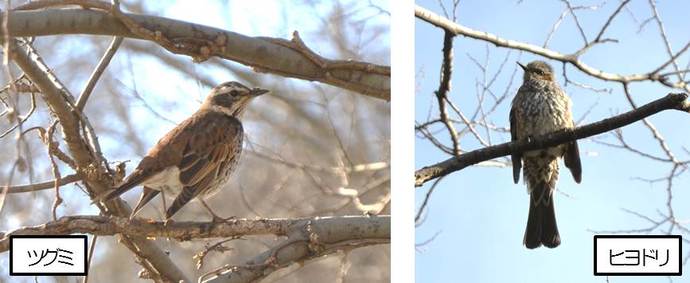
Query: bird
x=541 y=107
x=197 y=157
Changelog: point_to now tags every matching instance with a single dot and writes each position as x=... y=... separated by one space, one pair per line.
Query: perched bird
x=541 y=107
x=196 y=157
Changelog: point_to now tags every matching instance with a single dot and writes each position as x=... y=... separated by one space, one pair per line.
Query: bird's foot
x=218 y=219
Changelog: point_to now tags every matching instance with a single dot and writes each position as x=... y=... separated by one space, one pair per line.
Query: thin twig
x=608 y=22
x=96 y=74
x=43 y=185
x=573 y=59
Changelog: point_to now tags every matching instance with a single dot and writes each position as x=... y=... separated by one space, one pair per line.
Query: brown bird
x=196 y=157
x=541 y=107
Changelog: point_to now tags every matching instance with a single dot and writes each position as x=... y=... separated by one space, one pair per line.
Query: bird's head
x=537 y=70
x=231 y=97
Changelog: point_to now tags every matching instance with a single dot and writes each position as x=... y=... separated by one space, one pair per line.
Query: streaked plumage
x=541 y=107
x=198 y=155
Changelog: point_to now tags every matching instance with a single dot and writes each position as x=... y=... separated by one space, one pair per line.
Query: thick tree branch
x=573 y=59
x=62 y=105
x=308 y=239
x=343 y=226
x=677 y=101
x=444 y=89
x=287 y=58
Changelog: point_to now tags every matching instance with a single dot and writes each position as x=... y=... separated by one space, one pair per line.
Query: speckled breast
x=227 y=167
x=546 y=109
x=542 y=109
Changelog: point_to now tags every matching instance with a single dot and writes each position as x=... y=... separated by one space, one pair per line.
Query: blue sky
x=478 y=214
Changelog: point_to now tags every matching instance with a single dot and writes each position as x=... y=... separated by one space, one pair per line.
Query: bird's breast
x=543 y=110
x=225 y=170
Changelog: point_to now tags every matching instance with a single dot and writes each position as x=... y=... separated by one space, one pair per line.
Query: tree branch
x=573 y=59
x=96 y=74
x=307 y=239
x=677 y=101
x=287 y=58
x=338 y=227
x=444 y=89
x=44 y=185
x=62 y=105
x=318 y=236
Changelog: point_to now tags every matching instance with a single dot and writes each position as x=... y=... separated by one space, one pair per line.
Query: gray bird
x=196 y=157
x=541 y=107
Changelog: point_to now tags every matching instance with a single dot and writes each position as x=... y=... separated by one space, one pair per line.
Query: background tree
x=611 y=57
x=318 y=145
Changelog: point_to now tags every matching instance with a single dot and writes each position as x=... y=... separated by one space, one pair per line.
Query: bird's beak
x=522 y=66
x=258 y=91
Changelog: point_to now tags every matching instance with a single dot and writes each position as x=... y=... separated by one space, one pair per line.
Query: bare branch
x=667 y=44
x=19 y=121
x=96 y=74
x=573 y=59
x=61 y=104
x=608 y=22
x=43 y=185
x=675 y=101
x=444 y=88
x=202 y=42
x=185 y=231
x=307 y=240
x=577 y=21
x=422 y=208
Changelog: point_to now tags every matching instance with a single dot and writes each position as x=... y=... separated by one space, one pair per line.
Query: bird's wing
x=515 y=157
x=167 y=152
x=571 y=158
x=212 y=146
x=130 y=182
x=147 y=195
x=188 y=193
x=211 y=143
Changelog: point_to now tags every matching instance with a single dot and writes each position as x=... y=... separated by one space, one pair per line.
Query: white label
x=48 y=255
x=637 y=255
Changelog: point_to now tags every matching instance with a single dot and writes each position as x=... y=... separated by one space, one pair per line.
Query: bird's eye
x=233 y=93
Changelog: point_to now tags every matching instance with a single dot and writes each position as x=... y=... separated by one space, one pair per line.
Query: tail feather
x=132 y=181
x=146 y=196
x=187 y=194
x=541 y=223
x=112 y=194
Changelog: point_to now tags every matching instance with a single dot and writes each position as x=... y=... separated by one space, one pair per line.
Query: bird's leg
x=216 y=218
x=167 y=221
x=165 y=207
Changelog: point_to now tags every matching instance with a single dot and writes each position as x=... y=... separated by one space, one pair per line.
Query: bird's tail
x=187 y=194
x=130 y=182
x=146 y=196
x=541 y=224
x=109 y=195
